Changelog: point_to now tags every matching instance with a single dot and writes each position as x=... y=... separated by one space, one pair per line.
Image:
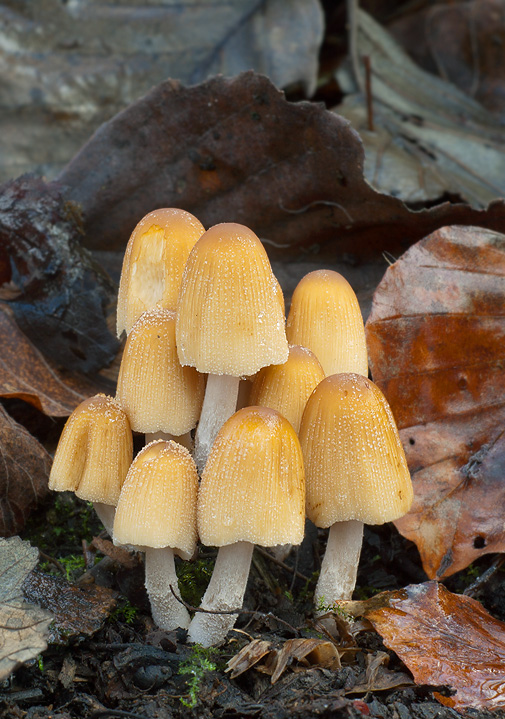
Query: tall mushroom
x=230 y=320
x=93 y=455
x=325 y=317
x=356 y=473
x=153 y=263
x=252 y=492
x=156 y=513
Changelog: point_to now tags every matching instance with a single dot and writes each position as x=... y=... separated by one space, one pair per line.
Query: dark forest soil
x=130 y=669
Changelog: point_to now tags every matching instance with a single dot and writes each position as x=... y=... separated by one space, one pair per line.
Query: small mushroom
x=161 y=398
x=230 y=321
x=153 y=263
x=356 y=473
x=252 y=492
x=156 y=513
x=325 y=317
x=93 y=455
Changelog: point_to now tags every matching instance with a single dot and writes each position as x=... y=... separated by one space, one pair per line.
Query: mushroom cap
x=156 y=392
x=287 y=387
x=325 y=316
x=94 y=451
x=230 y=315
x=153 y=263
x=354 y=460
x=253 y=487
x=157 y=505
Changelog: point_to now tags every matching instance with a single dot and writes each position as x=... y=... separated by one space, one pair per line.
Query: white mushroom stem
x=105 y=513
x=339 y=568
x=225 y=592
x=184 y=439
x=219 y=403
x=168 y=613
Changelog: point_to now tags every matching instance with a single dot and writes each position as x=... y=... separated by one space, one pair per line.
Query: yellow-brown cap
x=253 y=487
x=354 y=460
x=287 y=387
x=157 y=506
x=153 y=263
x=325 y=317
x=94 y=451
x=156 y=392
x=230 y=318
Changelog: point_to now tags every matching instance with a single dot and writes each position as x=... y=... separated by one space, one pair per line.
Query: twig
x=254 y=614
x=281 y=564
x=368 y=91
x=328 y=203
x=475 y=587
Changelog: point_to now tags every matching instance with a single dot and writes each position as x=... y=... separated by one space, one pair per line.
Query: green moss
x=201 y=661
x=193 y=578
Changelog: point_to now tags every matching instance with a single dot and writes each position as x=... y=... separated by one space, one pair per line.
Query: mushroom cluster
x=308 y=434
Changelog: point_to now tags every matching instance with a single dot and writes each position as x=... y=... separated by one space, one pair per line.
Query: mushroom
x=153 y=263
x=93 y=455
x=287 y=387
x=252 y=492
x=356 y=473
x=325 y=317
x=161 y=398
x=230 y=320
x=156 y=513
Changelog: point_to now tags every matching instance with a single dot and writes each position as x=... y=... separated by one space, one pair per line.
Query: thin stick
x=281 y=564
x=368 y=91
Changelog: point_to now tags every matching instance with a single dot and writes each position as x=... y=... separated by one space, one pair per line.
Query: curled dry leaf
x=26 y=374
x=23 y=627
x=236 y=150
x=24 y=472
x=444 y=639
x=76 y=610
x=436 y=340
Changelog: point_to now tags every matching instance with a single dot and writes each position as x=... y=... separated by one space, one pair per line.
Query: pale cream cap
x=325 y=316
x=230 y=317
x=156 y=392
x=153 y=263
x=253 y=487
x=287 y=387
x=157 y=506
x=94 y=452
x=354 y=460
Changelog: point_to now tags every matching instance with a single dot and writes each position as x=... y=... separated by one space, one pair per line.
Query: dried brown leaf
x=23 y=627
x=436 y=340
x=236 y=150
x=445 y=639
x=247 y=657
x=76 y=610
x=24 y=472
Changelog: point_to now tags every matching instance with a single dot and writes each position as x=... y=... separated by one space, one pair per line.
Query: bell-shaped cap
x=153 y=263
x=253 y=487
x=94 y=452
x=230 y=317
x=325 y=317
x=157 y=506
x=287 y=387
x=354 y=460
x=156 y=392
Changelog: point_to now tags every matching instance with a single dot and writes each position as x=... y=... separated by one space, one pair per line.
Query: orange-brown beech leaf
x=235 y=150
x=27 y=375
x=444 y=639
x=24 y=471
x=436 y=341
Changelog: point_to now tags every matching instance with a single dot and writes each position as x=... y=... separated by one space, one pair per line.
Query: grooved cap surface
x=287 y=387
x=354 y=460
x=156 y=392
x=325 y=316
x=157 y=506
x=253 y=487
x=153 y=263
x=94 y=451
x=230 y=315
